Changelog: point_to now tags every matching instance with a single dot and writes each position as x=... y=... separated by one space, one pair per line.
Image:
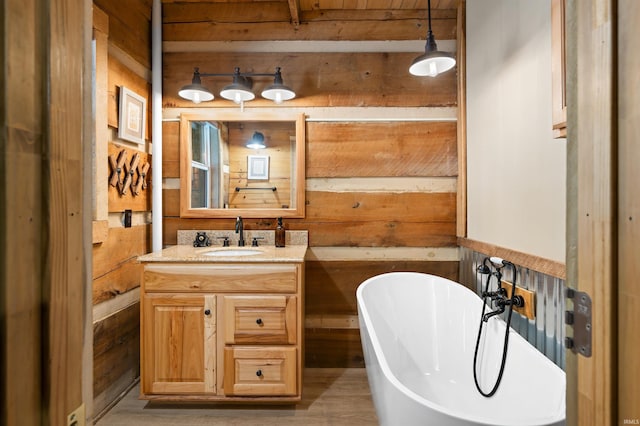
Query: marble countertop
x=186 y=253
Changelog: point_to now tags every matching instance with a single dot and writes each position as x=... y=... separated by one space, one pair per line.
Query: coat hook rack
x=120 y=166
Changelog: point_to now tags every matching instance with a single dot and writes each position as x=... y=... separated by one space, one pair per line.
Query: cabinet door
x=178 y=344
x=259 y=319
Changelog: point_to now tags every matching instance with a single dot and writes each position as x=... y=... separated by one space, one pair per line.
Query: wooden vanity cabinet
x=222 y=332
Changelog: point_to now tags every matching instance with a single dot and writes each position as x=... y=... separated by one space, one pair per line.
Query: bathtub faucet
x=501 y=300
x=498 y=311
x=499 y=297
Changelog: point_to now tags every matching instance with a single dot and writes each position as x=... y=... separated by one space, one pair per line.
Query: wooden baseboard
x=536 y=263
x=110 y=398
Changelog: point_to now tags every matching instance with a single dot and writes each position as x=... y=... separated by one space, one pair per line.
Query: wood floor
x=331 y=397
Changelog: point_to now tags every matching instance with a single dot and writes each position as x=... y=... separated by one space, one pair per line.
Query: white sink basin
x=232 y=252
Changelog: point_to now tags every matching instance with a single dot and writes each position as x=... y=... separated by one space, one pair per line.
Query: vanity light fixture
x=432 y=62
x=256 y=141
x=239 y=90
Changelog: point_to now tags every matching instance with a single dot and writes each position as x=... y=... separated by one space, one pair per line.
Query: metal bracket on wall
x=580 y=320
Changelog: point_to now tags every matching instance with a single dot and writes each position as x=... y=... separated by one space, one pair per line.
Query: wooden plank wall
x=64 y=195
x=122 y=33
x=330 y=79
x=188 y=21
x=592 y=129
x=629 y=211
x=22 y=219
x=42 y=256
x=380 y=188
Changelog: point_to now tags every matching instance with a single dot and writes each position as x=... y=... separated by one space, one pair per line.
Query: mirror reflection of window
x=205 y=165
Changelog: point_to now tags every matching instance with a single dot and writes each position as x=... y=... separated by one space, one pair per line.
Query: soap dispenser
x=280 y=237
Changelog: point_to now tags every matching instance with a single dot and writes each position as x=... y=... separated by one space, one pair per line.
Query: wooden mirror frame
x=297 y=175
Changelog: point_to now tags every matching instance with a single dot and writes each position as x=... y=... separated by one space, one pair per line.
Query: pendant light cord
x=429 y=13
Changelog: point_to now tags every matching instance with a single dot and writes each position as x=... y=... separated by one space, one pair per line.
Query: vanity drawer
x=259 y=319
x=255 y=278
x=260 y=371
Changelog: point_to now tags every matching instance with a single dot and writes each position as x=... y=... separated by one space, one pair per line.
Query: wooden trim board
x=539 y=264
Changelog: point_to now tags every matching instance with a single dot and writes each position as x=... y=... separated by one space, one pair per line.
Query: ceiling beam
x=304 y=46
x=294 y=9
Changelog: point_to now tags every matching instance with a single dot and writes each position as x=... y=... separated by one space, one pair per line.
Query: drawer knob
x=259 y=373
x=259 y=321
x=207 y=311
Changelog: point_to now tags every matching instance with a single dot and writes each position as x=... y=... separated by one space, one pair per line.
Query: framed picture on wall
x=258 y=167
x=132 y=114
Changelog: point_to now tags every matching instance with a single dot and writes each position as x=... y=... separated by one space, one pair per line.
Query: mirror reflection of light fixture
x=240 y=90
x=256 y=141
x=432 y=62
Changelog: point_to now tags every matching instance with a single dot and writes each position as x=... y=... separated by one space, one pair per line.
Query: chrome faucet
x=240 y=230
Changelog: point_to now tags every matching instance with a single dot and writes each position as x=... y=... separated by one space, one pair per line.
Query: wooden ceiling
x=245 y=20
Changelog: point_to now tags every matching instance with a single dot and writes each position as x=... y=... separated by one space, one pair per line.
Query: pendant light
x=433 y=62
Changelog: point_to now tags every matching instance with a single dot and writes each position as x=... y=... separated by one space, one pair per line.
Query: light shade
x=432 y=62
x=278 y=92
x=240 y=90
x=195 y=92
x=256 y=141
x=237 y=93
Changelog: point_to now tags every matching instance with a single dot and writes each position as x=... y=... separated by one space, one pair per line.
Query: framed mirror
x=248 y=164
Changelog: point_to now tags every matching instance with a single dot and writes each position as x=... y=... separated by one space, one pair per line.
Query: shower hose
x=506 y=331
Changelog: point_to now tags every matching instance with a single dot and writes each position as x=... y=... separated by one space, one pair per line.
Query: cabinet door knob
x=259 y=373
x=207 y=311
x=259 y=321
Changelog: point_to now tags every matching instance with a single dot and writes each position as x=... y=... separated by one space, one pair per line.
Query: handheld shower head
x=498 y=262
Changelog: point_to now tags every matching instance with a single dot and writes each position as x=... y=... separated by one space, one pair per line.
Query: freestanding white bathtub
x=419 y=333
